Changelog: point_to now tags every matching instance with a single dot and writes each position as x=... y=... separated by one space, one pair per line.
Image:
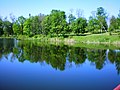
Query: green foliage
x=33 y=25
x=97 y=56
x=58 y=21
x=113 y=24
x=118 y=21
x=16 y=50
x=57 y=25
x=101 y=16
x=46 y=25
x=7 y=28
x=93 y=25
x=22 y=37
x=79 y=25
x=114 y=57
x=21 y=21
x=59 y=56
x=98 y=23
x=71 y=18
x=1 y=27
x=16 y=28
x=101 y=12
x=27 y=30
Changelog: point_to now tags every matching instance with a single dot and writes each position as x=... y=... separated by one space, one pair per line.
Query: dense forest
x=57 y=23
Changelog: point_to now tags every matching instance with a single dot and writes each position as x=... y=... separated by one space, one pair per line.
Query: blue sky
x=24 y=7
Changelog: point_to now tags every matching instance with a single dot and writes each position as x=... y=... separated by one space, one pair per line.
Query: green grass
x=96 y=46
x=99 y=41
x=81 y=45
x=98 y=38
x=104 y=38
x=10 y=36
x=93 y=38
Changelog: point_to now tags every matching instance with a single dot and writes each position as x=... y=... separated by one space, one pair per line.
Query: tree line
x=56 y=24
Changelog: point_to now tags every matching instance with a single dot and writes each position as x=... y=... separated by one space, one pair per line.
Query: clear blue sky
x=24 y=7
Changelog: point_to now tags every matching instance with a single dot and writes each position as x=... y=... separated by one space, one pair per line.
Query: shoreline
x=91 y=39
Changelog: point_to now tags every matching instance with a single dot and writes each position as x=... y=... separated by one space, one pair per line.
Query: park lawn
x=104 y=38
x=98 y=38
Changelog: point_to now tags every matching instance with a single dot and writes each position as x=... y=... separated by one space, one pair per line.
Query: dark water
x=37 y=66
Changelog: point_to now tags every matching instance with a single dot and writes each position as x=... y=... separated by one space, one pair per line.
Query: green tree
x=57 y=19
x=7 y=28
x=33 y=25
x=71 y=18
x=102 y=16
x=55 y=23
x=16 y=28
x=21 y=21
x=46 y=25
x=36 y=24
x=113 y=24
x=1 y=27
x=79 y=25
x=118 y=20
x=93 y=25
x=27 y=30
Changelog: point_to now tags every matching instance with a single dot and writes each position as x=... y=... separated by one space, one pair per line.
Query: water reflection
x=97 y=56
x=114 y=57
x=58 y=56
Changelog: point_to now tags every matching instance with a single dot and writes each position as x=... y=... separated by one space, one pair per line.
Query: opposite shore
x=105 y=39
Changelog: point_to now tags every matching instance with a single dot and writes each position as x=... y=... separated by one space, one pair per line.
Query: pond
x=27 y=65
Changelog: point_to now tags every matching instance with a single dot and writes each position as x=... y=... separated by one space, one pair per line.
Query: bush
x=110 y=33
x=22 y=37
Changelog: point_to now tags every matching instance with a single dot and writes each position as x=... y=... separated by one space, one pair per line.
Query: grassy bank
x=98 y=39
x=87 y=39
x=8 y=36
x=81 y=45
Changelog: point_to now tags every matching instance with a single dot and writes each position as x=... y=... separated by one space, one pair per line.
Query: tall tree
x=93 y=25
x=102 y=16
x=55 y=23
x=33 y=25
x=7 y=28
x=71 y=18
x=13 y=19
x=1 y=27
x=36 y=24
x=46 y=25
x=113 y=24
x=21 y=21
x=79 y=25
x=118 y=20
x=16 y=28
x=27 y=30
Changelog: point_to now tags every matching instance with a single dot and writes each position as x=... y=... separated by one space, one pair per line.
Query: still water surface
x=26 y=65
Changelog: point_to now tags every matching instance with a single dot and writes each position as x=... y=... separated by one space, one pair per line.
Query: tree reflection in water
x=58 y=56
x=114 y=57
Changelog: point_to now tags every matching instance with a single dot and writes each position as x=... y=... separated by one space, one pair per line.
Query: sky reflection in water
x=33 y=66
